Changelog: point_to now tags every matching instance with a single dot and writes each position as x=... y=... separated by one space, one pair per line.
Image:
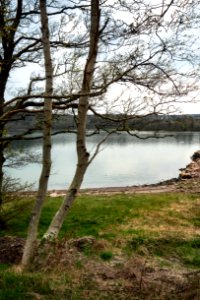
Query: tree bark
x=83 y=155
x=31 y=242
x=2 y=159
x=6 y=62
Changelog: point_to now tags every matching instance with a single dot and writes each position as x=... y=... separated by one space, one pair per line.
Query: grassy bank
x=142 y=247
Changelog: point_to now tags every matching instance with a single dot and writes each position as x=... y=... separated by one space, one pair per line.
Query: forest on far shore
x=61 y=122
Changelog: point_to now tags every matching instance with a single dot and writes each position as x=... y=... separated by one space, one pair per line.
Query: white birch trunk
x=31 y=241
x=83 y=155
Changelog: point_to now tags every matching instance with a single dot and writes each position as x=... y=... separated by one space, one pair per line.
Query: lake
x=122 y=161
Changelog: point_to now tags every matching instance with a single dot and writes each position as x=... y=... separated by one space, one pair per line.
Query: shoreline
x=187 y=181
x=160 y=187
x=169 y=185
x=175 y=185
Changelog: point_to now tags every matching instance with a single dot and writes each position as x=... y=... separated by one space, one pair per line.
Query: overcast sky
x=20 y=79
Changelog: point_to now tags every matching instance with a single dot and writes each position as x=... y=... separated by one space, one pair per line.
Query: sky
x=20 y=78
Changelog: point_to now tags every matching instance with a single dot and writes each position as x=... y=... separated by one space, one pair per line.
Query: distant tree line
x=61 y=123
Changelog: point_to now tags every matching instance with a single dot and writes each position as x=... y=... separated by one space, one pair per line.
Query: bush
x=13 y=200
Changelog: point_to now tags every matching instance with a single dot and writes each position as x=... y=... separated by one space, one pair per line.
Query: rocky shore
x=192 y=170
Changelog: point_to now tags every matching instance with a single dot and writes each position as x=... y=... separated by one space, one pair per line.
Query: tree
x=19 y=48
x=83 y=106
x=31 y=241
x=152 y=67
x=46 y=157
x=16 y=49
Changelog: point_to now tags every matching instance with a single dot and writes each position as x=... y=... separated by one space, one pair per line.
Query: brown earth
x=123 y=277
x=11 y=249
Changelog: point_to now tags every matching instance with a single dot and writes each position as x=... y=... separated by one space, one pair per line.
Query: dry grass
x=124 y=277
x=171 y=221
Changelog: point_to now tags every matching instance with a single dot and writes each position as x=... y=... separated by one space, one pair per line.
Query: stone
x=192 y=170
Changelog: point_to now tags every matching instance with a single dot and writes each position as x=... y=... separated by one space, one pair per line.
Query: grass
x=161 y=227
x=92 y=214
x=15 y=286
x=165 y=224
x=106 y=255
x=31 y=286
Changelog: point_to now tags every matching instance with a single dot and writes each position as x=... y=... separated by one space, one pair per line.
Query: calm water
x=123 y=160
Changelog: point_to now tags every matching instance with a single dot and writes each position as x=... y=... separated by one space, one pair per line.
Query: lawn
x=133 y=239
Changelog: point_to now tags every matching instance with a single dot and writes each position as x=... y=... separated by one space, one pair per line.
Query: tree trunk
x=4 y=74
x=83 y=155
x=31 y=242
x=1 y=150
x=6 y=61
x=2 y=159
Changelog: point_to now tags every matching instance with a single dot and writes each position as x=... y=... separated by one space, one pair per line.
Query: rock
x=196 y=156
x=192 y=170
x=184 y=175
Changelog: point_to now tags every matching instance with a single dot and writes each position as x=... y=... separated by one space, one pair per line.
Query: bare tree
x=146 y=65
x=46 y=157
x=16 y=49
x=83 y=105
x=20 y=47
x=138 y=54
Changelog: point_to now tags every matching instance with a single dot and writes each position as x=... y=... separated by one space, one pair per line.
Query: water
x=123 y=160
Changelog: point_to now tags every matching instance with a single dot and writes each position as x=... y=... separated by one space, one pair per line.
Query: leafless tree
x=140 y=57
x=46 y=158
x=83 y=106
x=17 y=48
x=21 y=47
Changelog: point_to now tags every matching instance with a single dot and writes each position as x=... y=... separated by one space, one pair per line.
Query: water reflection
x=123 y=160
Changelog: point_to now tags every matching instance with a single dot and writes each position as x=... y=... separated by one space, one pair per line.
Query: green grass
x=29 y=286
x=91 y=214
x=163 y=224
x=15 y=286
x=106 y=255
x=159 y=226
x=188 y=251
